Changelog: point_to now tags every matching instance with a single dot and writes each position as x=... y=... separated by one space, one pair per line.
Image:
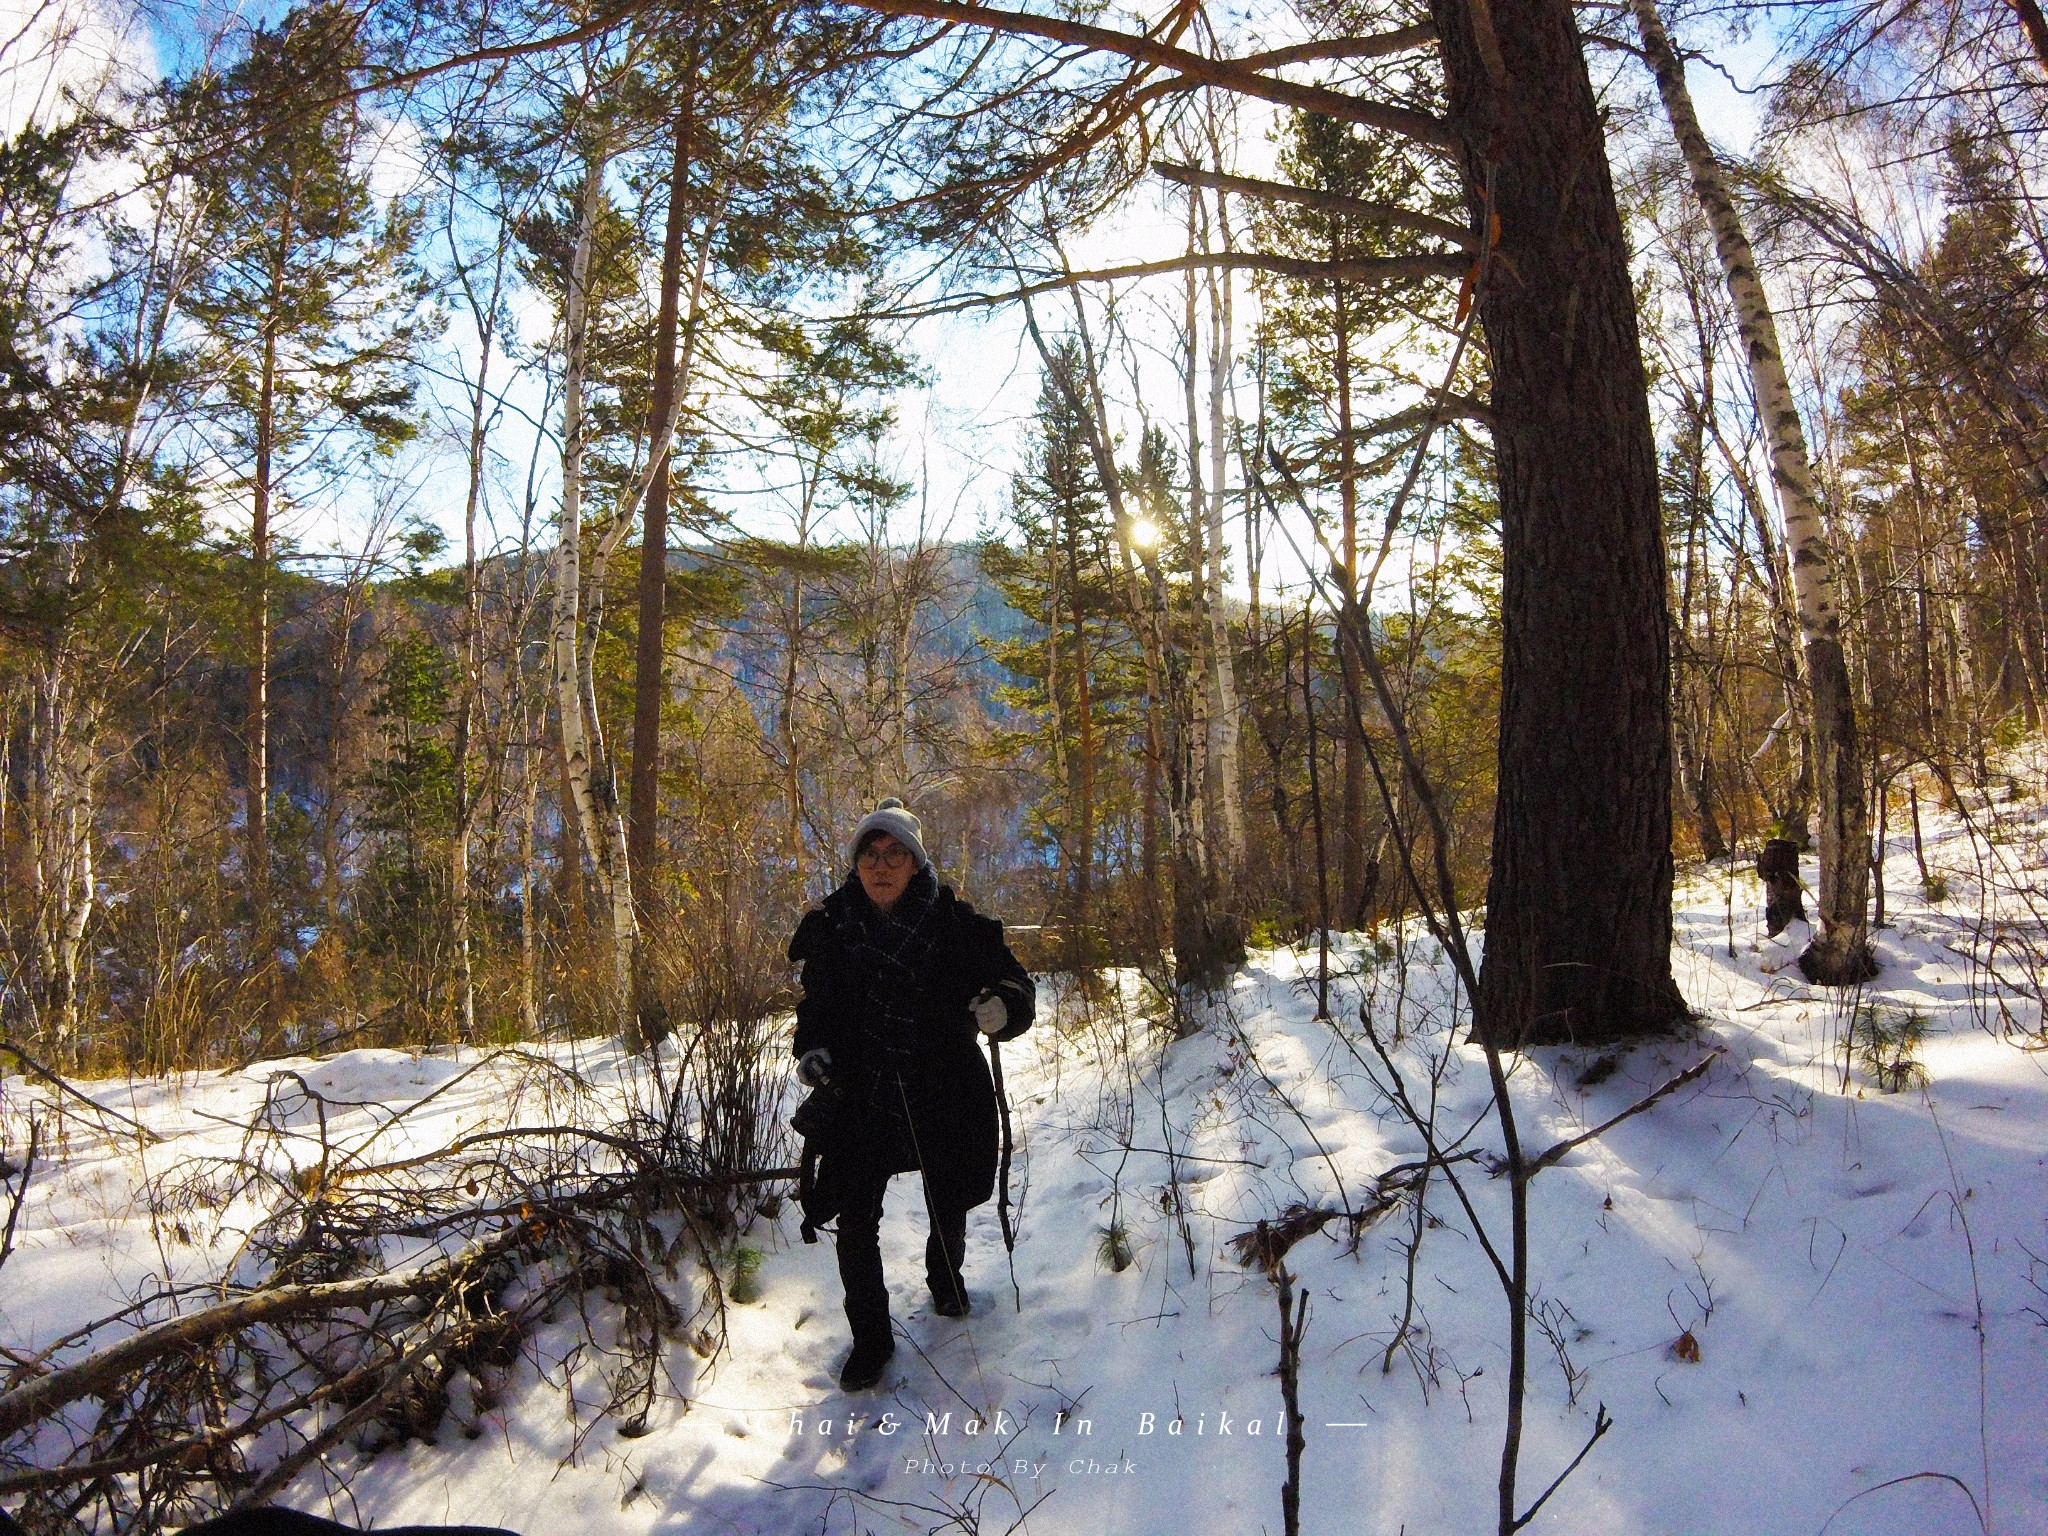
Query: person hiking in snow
x=901 y=980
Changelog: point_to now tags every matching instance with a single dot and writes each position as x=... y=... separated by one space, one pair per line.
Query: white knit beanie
x=890 y=817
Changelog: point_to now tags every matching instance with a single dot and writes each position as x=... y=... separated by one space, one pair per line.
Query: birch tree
x=589 y=777
x=1225 y=712
x=1839 y=954
x=63 y=747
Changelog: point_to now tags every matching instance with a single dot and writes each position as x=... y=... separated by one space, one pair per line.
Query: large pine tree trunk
x=1578 y=933
x=650 y=672
x=1840 y=952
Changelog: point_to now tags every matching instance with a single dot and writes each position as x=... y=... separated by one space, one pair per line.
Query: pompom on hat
x=890 y=817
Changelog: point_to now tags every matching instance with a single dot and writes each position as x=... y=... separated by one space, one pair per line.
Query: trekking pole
x=995 y=1065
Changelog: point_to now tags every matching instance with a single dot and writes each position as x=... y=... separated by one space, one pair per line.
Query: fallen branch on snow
x=1558 y=1153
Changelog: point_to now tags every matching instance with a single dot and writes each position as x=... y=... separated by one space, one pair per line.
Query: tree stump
x=1777 y=862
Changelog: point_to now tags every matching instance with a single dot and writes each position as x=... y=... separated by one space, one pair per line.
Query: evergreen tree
x=409 y=811
x=95 y=521
x=1330 y=397
x=311 y=310
x=1076 y=660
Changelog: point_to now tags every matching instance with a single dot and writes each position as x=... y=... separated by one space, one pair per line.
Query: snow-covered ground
x=1788 y=1287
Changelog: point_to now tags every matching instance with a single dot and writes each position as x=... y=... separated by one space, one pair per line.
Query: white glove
x=814 y=1069
x=990 y=1016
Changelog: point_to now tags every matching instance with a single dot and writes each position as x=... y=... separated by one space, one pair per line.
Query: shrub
x=1113 y=1248
x=1886 y=1042
x=744 y=1287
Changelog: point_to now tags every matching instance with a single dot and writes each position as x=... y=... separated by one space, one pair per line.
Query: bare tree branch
x=1376 y=269
x=44 y=1395
x=1601 y=1424
x=1558 y=1153
x=605 y=21
x=1225 y=74
x=37 y=1069
x=1312 y=197
x=1377 y=46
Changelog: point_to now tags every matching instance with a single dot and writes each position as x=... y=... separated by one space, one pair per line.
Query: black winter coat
x=919 y=1095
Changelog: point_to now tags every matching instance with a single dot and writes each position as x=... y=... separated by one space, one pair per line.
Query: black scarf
x=892 y=948
x=895 y=947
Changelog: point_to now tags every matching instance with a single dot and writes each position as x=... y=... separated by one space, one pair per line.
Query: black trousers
x=860 y=1254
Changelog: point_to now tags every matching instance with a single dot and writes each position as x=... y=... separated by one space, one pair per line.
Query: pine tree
x=1060 y=579
x=409 y=810
x=1329 y=398
x=312 y=312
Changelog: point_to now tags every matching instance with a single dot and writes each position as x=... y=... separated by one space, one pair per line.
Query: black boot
x=867 y=1292
x=864 y=1366
x=943 y=1252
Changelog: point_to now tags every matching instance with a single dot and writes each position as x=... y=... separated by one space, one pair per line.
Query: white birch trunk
x=1840 y=953
x=594 y=801
x=472 y=690
x=61 y=760
x=1224 y=714
x=529 y=809
x=1206 y=811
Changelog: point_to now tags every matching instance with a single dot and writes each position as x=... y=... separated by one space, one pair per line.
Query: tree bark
x=1840 y=952
x=472 y=680
x=61 y=819
x=650 y=671
x=591 y=794
x=1081 y=945
x=256 y=726
x=2035 y=25
x=1224 y=710
x=1578 y=936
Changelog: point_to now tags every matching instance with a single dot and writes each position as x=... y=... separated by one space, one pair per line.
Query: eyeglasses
x=877 y=858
